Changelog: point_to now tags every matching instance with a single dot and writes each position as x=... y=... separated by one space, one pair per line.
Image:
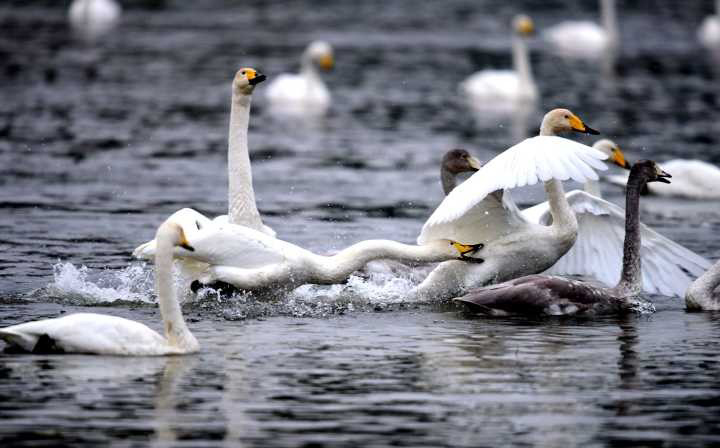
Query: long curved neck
x=521 y=61
x=338 y=267
x=609 y=20
x=447 y=178
x=631 y=277
x=563 y=217
x=309 y=71
x=700 y=294
x=241 y=196
x=176 y=331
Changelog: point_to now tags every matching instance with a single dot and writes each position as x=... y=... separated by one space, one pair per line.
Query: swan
x=495 y=88
x=241 y=197
x=702 y=294
x=552 y=295
x=479 y=210
x=709 y=32
x=93 y=18
x=668 y=267
x=585 y=39
x=101 y=334
x=305 y=92
x=700 y=180
x=454 y=162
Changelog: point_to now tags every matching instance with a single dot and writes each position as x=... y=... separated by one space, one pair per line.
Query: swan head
x=649 y=171
x=523 y=25
x=612 y=150
x=320 y=53
x=562 y=120
x=246 y=79
x=173 y=233
x=458 y=161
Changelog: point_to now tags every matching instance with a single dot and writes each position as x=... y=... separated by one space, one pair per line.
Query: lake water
x=99 y=143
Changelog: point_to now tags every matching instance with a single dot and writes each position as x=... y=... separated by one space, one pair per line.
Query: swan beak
x=255 y=77
x=577 y=125
x=466 y=250
x=326 y=62
x=525 y=26
x=184 y=242
x=663 y=176
x=619 y=158
x=474 y=163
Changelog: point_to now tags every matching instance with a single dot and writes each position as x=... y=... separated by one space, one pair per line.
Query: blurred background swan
x=304 y=93
x=586 y=39
x=695 y=180
x=91 y=19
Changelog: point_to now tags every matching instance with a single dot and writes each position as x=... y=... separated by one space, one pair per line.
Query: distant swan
x=304 y=93
x=584 y=39
x=700 y=180
x=668 y=268
x=93 y=18
x=479 y=210
x=550 y=295
x=110 y=335
x=703 y=294
x=488 y=89
x=709 y=32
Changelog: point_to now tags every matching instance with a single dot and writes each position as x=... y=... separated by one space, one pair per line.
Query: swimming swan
x=479 y=211
x=709 y=32
x=305 y=92
x=702 y=294
x=700 y=180
x=551 y=295
x=668 y=268
x=93 y=18
x=585 y=39
x=489 y=89
x=110 y=335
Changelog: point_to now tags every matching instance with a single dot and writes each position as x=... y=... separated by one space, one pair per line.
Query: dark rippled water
x=99 y=143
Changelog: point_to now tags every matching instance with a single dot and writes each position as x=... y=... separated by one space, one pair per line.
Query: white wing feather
x=535 y=159
x=668 y=268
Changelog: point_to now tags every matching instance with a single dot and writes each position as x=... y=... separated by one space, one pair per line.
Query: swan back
x=93 y=18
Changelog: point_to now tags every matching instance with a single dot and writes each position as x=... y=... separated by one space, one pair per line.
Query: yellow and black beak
x=254 y=77
x=474 y=163
x=618 y=158
x=663 y=176
x=326 y=62
x=184 y=242
x=468 y=249
x=577 y=125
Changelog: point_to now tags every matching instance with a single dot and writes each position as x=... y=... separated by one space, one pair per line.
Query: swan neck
x=631 y=278
x=609 y=20
x=562 y=214
x=447 y=179
x=546 y=128
x=241 y=196
x=593 y=187
x=521 y=61
x=176 y=330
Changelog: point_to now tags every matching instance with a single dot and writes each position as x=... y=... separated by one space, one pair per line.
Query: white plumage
x=585 y=39
x=692 y=179
x=709 y=31
x=93 y=18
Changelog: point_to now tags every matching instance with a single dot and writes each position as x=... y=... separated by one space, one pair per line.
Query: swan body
x=551 y=295
x=700 y=180
x=585 y=39
x=479 y=210
x=304 y=92
x=109 y=335
x=668 y=268
x=702 y=294
x=709 y=31
x=496 y=88
x=93 y=18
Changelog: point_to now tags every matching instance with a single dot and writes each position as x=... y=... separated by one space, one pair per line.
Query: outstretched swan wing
x=668 y=268
x=535 y=159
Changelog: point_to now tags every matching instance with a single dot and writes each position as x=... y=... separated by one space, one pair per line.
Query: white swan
x=93 y=18
x=695 y=180
x=489 y=89
x=668 y=268
x=110 y=335
x=479 y=211
x=585 y=39
x=709 y=32
x=702 y=294
x=241 y=196
x=305 y=92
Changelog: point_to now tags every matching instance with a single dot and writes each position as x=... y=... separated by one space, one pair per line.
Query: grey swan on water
x=552 y=295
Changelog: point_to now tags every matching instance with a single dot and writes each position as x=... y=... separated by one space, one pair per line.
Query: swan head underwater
x=523 y=25
x=246 y=79
x=612 y=150
x=562 y=120
x=320 y=53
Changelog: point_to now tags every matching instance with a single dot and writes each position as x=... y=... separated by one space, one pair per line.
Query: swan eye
x=567 y=116
x=242 y=72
